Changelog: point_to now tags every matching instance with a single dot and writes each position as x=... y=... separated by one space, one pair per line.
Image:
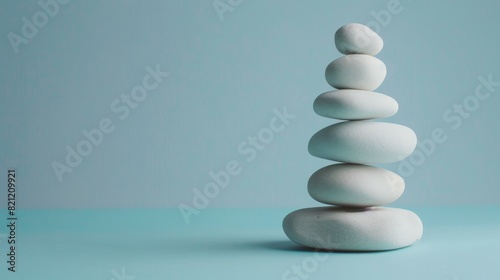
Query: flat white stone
x=351 y=229
x=355 y=38
x=356 y=71
x=355 y=185
x=352 y=104
x=363 y=142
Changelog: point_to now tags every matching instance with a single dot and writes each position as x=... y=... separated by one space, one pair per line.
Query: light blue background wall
x=226 y=77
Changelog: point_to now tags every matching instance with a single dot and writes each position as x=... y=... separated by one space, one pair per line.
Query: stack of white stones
x=358 y=222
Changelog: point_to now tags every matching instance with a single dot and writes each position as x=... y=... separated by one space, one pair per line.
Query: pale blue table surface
x=458 y=243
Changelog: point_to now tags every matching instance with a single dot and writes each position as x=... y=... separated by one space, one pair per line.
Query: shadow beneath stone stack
x=286 y=245
x=282 y=245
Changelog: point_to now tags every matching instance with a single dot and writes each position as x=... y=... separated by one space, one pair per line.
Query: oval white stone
x=356 y=71
x=355 y=185
x=363 y=142
x=352 y=104
x=355 y=38
x=350 y=229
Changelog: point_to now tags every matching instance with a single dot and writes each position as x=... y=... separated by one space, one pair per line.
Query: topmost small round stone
x=355 y=38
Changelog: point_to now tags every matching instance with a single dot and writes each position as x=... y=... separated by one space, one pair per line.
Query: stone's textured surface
x=351 y=229
x=352 y=104
x=355 y=38
x=355 y=185
x=363 y=142
x=356 y=71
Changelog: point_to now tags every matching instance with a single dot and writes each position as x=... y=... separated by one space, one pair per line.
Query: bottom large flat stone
x=353 y=229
